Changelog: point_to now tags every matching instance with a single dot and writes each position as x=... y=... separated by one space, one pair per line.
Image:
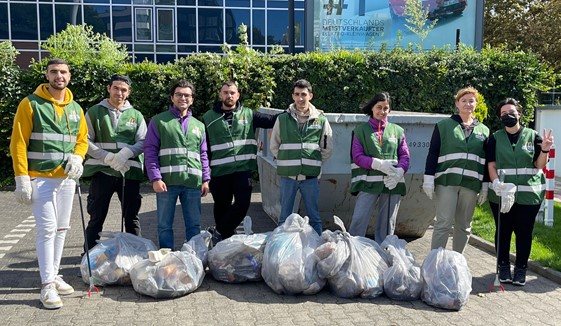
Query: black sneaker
x=216 y=236
x=519 y=276
x=504 y=274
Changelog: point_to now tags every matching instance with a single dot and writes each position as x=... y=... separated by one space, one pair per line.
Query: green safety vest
x=52 y=140
x=232 y=149
x=113 y=140
x=461 y=162
x=369 y=180
x=518 y=166
x=180 y=159
x=300 y=152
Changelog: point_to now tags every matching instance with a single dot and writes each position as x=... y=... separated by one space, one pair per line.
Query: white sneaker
x=50 y=298
x=62 y=287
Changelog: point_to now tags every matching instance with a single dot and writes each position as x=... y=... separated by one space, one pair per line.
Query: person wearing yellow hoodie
x=48 y=145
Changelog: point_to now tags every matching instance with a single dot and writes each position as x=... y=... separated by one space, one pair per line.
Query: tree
x=533 y=25
x=416 y=15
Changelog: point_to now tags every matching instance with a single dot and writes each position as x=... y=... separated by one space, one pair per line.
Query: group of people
x=54 y=143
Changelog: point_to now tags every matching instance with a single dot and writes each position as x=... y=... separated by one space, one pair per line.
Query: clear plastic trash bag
x=168 y=274
x=447 y=280
x=289 y=262
x=352 y=265
x=402 y=280
x=113 y=256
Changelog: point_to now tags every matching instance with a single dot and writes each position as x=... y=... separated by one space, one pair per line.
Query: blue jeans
x=309 y=189
x=190 y=199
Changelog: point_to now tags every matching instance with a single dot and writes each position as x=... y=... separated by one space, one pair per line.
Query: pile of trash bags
x=293 y=259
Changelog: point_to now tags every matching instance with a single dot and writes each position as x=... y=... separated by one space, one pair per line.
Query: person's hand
x=547 y=140
x=482 y=197
x=74 y=167
x=125 y=168
x=108 y=159
x=121 y=159
x=386 y=166
x=392 y=180
x=23 y=189
x=428 y=185
x=507 y=197
x=159 y=186
x=204 y=189
x=498 y=186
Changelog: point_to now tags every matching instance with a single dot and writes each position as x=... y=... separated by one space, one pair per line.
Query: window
x=98 y=18
x=186 y=25
x=214 y=3
x=122 y=23
x=277 y=27
x=46 y=20
x=258 y=32
x=4 y=21
x=211 y=26
x=234 y=18
x=24 y=21
x=143 y=24
x=166 y=24
x=237 y=3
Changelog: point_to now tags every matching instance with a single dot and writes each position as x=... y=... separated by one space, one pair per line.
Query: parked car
x=437 y=8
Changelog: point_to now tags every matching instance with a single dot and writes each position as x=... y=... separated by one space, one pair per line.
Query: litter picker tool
x=91 y=280
x=497 y=282
x=123 y=204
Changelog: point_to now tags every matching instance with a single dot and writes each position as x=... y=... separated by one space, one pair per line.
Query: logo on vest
x=392 y=139
x=315 y=124
x=197 y=132
x=73 y=116
x=480 y=136
x=131 y=123
x=529 y=147
x=243 y=120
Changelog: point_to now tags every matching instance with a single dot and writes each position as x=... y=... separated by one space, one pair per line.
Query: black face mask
x=509 y=120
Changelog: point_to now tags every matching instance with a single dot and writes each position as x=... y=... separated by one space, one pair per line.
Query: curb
x=533 y=266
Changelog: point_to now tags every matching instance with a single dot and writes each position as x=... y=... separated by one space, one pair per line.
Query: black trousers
x=228 y=215
x=520 y=220
x=102 y=188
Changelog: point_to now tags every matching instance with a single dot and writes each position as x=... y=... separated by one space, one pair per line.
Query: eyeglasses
x=180 y=95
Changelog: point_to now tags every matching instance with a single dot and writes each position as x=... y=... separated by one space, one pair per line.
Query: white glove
x=109 y=158
x=23 y=189
x=507 y=197
x=393 y=179
x=386 y=166
x=498 y=186
x=121 y=159
x=428 y=185
x=482 y=198
x=74 y=167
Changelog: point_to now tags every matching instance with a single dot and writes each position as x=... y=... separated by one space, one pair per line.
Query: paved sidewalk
x=214 y=303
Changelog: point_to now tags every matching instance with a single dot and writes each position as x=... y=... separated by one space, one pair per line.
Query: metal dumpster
x=416 y=211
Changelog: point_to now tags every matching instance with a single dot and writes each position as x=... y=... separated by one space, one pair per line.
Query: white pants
x=52 y=206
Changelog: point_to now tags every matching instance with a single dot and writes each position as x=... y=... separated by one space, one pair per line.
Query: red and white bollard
x=549 y=188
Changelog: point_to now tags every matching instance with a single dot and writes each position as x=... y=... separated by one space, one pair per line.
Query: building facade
x=157 y=30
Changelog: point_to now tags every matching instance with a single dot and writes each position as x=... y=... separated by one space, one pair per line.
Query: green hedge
x=342 y=81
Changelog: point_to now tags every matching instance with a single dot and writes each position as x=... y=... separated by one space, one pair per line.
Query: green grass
x=546 y=242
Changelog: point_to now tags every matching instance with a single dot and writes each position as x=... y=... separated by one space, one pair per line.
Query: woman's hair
x=464 y=91
x=508 y=100
x=380 y=97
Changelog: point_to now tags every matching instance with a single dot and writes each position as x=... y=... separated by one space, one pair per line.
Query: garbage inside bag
x=238 y=258
x=402 y=280
x=289 y=262
x=200 y=244
x=113 y=256
x=352 y=265
x=447 y=280
x=168 y=274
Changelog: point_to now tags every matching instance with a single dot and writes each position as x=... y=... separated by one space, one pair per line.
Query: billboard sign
x=368 y=24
